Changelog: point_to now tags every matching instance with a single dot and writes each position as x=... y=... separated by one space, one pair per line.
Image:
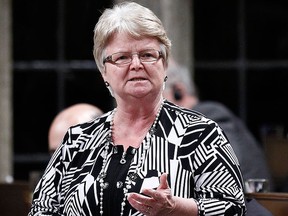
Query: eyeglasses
x=123 y=58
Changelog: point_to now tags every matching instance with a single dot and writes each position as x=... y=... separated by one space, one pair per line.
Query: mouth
x=137 y=79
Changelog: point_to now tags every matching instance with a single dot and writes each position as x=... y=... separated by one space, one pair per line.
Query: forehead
x=123 y=42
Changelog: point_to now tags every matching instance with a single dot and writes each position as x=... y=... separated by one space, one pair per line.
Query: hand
x=156 y=202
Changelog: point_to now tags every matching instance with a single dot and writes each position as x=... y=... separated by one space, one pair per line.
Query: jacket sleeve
x=46 y=197
x=217 y=176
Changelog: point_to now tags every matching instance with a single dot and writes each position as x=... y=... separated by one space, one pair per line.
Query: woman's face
x=136 y=79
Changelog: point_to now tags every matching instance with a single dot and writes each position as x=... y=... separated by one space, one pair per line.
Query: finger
x=156 y=194
x=138 y=202
x=132 y=198
x=139 y=199
x=163 y=182
x=151 y=193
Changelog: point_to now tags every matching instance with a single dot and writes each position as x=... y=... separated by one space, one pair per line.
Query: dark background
x=241 y=60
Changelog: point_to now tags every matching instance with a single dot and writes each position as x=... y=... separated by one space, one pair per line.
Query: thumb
x=163 y=182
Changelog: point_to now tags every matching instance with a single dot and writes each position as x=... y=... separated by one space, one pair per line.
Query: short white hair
x=131 y=18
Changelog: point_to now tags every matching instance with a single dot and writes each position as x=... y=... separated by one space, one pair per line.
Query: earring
x=164 y=83
x=109 y=88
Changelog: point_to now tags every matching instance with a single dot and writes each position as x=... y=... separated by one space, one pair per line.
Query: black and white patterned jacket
x=190 y=148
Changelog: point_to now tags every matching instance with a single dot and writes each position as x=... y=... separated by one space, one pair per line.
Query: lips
x=137 y=79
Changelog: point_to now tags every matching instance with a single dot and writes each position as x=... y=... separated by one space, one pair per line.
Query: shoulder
x=186 y=116
x=174 y=108
x=181 y=125
x=93 y=124
x=84 y=132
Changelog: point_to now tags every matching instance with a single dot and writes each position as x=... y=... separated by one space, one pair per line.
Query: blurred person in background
x=180 y=89
x=70 y=116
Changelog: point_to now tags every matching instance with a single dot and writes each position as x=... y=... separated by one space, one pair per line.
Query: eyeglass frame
x=108 y=59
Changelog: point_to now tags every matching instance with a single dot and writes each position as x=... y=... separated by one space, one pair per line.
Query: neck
x=129 y=129
x=138 y=111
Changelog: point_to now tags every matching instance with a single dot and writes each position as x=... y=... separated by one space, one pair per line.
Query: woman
x=147 y=156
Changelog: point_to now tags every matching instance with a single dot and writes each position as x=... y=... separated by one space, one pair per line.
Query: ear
x=105 y=77
x=103 y=74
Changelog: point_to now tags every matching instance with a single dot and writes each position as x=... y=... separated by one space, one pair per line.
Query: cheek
x=158 y=71
x=109 y=73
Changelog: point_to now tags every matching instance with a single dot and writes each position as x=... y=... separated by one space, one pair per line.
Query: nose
x=136 y=63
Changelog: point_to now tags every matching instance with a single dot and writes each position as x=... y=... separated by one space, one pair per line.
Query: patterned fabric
x=190 y=148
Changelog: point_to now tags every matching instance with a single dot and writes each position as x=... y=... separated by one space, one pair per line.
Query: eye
x=123 y=57
x=148 y=55
x=120 y=57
